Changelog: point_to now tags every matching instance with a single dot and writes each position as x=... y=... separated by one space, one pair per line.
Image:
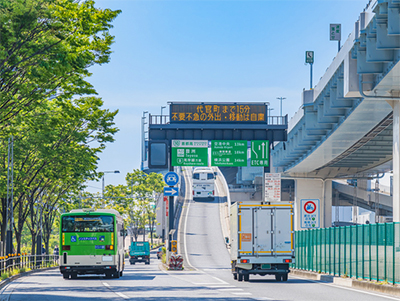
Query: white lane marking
x=222 y=281
x=230 y=289
x=117 y=293
x=205 y=283
x=122 y=295
x=262 y=298
x=217 y=286
x=242 y=294
x=184 y=236
x=348 y=288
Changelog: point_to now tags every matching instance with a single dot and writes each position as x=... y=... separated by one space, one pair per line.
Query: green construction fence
x=370 y=252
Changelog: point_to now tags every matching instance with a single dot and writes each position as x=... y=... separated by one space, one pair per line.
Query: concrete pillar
x=327 y=205
x=314 y=189
x=396 y=161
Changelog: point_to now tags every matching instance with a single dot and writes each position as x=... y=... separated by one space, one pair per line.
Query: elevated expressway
x=348 y=125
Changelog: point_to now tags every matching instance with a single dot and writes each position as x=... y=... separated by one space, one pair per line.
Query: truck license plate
x=265 y=266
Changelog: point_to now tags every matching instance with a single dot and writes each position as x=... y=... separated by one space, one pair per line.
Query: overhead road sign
x=189 y=153
x=171 y=178
x=309 y=213
x=259 y=153
x=218 y=113
x=171 y=191
x=229 y=152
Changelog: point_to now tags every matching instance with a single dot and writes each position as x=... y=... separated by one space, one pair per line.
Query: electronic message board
x=218 y=113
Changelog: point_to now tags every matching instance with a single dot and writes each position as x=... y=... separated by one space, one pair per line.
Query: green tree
x=46 y=48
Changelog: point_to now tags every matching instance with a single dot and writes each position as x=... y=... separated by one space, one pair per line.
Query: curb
x=349 y=282
x=12 y=278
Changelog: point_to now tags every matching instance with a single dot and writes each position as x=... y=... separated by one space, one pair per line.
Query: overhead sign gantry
x=219 y=122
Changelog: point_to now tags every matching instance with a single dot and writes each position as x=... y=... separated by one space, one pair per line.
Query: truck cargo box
x=262 y=239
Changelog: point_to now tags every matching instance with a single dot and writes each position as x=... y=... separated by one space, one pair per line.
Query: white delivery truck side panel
x=262 y=239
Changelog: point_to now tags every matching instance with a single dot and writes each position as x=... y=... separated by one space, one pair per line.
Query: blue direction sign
x=171 y=191
x=171 y=178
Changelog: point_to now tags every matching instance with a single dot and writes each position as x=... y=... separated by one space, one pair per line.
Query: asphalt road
x=206 y=276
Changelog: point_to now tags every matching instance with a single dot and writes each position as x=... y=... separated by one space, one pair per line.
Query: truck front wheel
x=246 y=277
x=240 y=277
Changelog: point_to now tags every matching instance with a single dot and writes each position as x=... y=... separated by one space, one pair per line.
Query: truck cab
x=139 y=252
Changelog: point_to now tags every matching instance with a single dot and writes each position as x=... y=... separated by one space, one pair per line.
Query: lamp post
x=102 y=186
x=162 y=108
x=143 y=146
x=281 y=98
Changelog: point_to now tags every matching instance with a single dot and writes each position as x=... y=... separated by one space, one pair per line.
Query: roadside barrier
x=370 y=252
x=24 y=261
x=175 y=262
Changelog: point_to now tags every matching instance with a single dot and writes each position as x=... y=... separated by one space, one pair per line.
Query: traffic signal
x=174 y=246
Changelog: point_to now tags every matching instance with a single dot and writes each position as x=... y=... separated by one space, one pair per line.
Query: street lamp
x=281 y=98
x=143 y=146
x=162 y=108
x=104 y=172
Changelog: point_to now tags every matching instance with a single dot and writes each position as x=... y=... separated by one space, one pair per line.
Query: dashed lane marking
x=242 y=294
x=117 y=293
x=219 y=286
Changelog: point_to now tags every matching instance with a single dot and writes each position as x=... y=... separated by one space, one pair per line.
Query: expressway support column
x=314 y=189
x=396 y=161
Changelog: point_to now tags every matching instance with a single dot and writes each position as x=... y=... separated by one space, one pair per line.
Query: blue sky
x=192 y=50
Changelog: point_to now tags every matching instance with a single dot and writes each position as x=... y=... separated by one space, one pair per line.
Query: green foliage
x=46 y=48
x=5 y=275
x=46 y=104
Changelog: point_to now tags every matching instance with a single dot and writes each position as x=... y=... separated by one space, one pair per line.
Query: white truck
x=261 y=239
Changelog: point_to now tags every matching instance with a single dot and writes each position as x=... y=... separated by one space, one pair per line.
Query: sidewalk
x=389 y=289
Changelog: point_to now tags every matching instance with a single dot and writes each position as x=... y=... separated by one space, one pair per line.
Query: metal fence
x=27 y=262
x=370 y=252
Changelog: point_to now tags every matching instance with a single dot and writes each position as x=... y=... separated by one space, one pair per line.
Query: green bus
x=92 y=242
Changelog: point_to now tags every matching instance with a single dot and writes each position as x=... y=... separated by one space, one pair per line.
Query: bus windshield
x=102 y=223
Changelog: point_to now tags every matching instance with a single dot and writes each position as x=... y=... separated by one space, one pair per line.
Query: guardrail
x=272 y=120
x=29 y=262
x=370 y=252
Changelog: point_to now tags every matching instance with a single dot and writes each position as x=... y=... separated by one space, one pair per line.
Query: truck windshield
x=93 y=223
